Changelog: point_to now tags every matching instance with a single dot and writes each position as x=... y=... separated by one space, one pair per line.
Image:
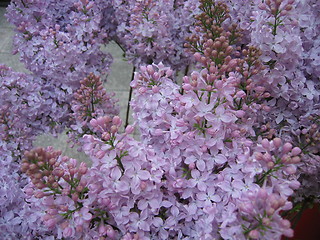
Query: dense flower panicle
x=154 y=31
x=23 y=115
x=60 y=186
x=60 y=44
x=90 y=101
x=281 y=31
x=220 y=155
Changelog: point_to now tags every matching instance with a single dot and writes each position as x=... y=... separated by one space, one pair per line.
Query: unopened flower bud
x=102 y=229
x=254 y=234
x=75 y=196
x=129 y=129
x=265 y=143
x=295 y=159
x=113 y=129
x=39 y=194
x=295 y=151
x=143 y=185
x=187 y=87
x=277 y=142
x=116 y=121
x=79 y=188
x=110 y=232
x=286 y=147
x=191 y=166
x=291 y=169
x=155 y=89
x=106 y=136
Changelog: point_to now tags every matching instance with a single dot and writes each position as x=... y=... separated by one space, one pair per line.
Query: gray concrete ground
x=118 y=82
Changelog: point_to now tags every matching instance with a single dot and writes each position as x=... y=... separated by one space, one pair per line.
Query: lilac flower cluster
x=221 y=155
x=60 y=44
x=155 y=31
x=22 y=117
x=90 y=101
x=285 y=31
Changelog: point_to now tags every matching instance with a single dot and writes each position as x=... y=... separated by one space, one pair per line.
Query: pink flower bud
x=288 y=233
x=29 y=191
x=254 y=234
x=93 y=122
x=79 y=189
x=263 y=194
x=116 y=121
x=50 y=223
x=106 y=136
x=266 y=221
x=218 y=84
x=39 y=194
x=192 y=166
x=75 y=196
x=247 y=207
x=110 y=232
x=295 y=159
x=261 y=6
x=187 y=87
x=267 y=157
x=270 y=165
x=295 y=151
x=197 y=56
x=67 y=232
x=143 y=185
x=142 y=90
x=102 y=229
x=291 y=169
x=294 y=184
x=259 y=156
x=169 y=73
x=129 y=129
x=270 y=211
x=113 y=129
x=286 y=148
x=155 y=89
x=240 y=94
x=277 y=142
x=265 y=144
x=150 y=69
x=72 y=171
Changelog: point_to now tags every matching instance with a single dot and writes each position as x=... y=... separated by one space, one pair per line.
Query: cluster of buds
x=84 y=5
x=150 y=76
x=209 y=23
x=309 y=137
x=90 y=98
x=53 y=174
x=61 y=186
x=267 y=131
x=251 y=91
x=278 y=9
x=211 y=42
x=262 y=209
x=107 y=126
x=90 y=101
x=275 y=156
x=216 y=51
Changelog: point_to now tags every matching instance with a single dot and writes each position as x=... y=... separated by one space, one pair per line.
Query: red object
x=308 y=227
